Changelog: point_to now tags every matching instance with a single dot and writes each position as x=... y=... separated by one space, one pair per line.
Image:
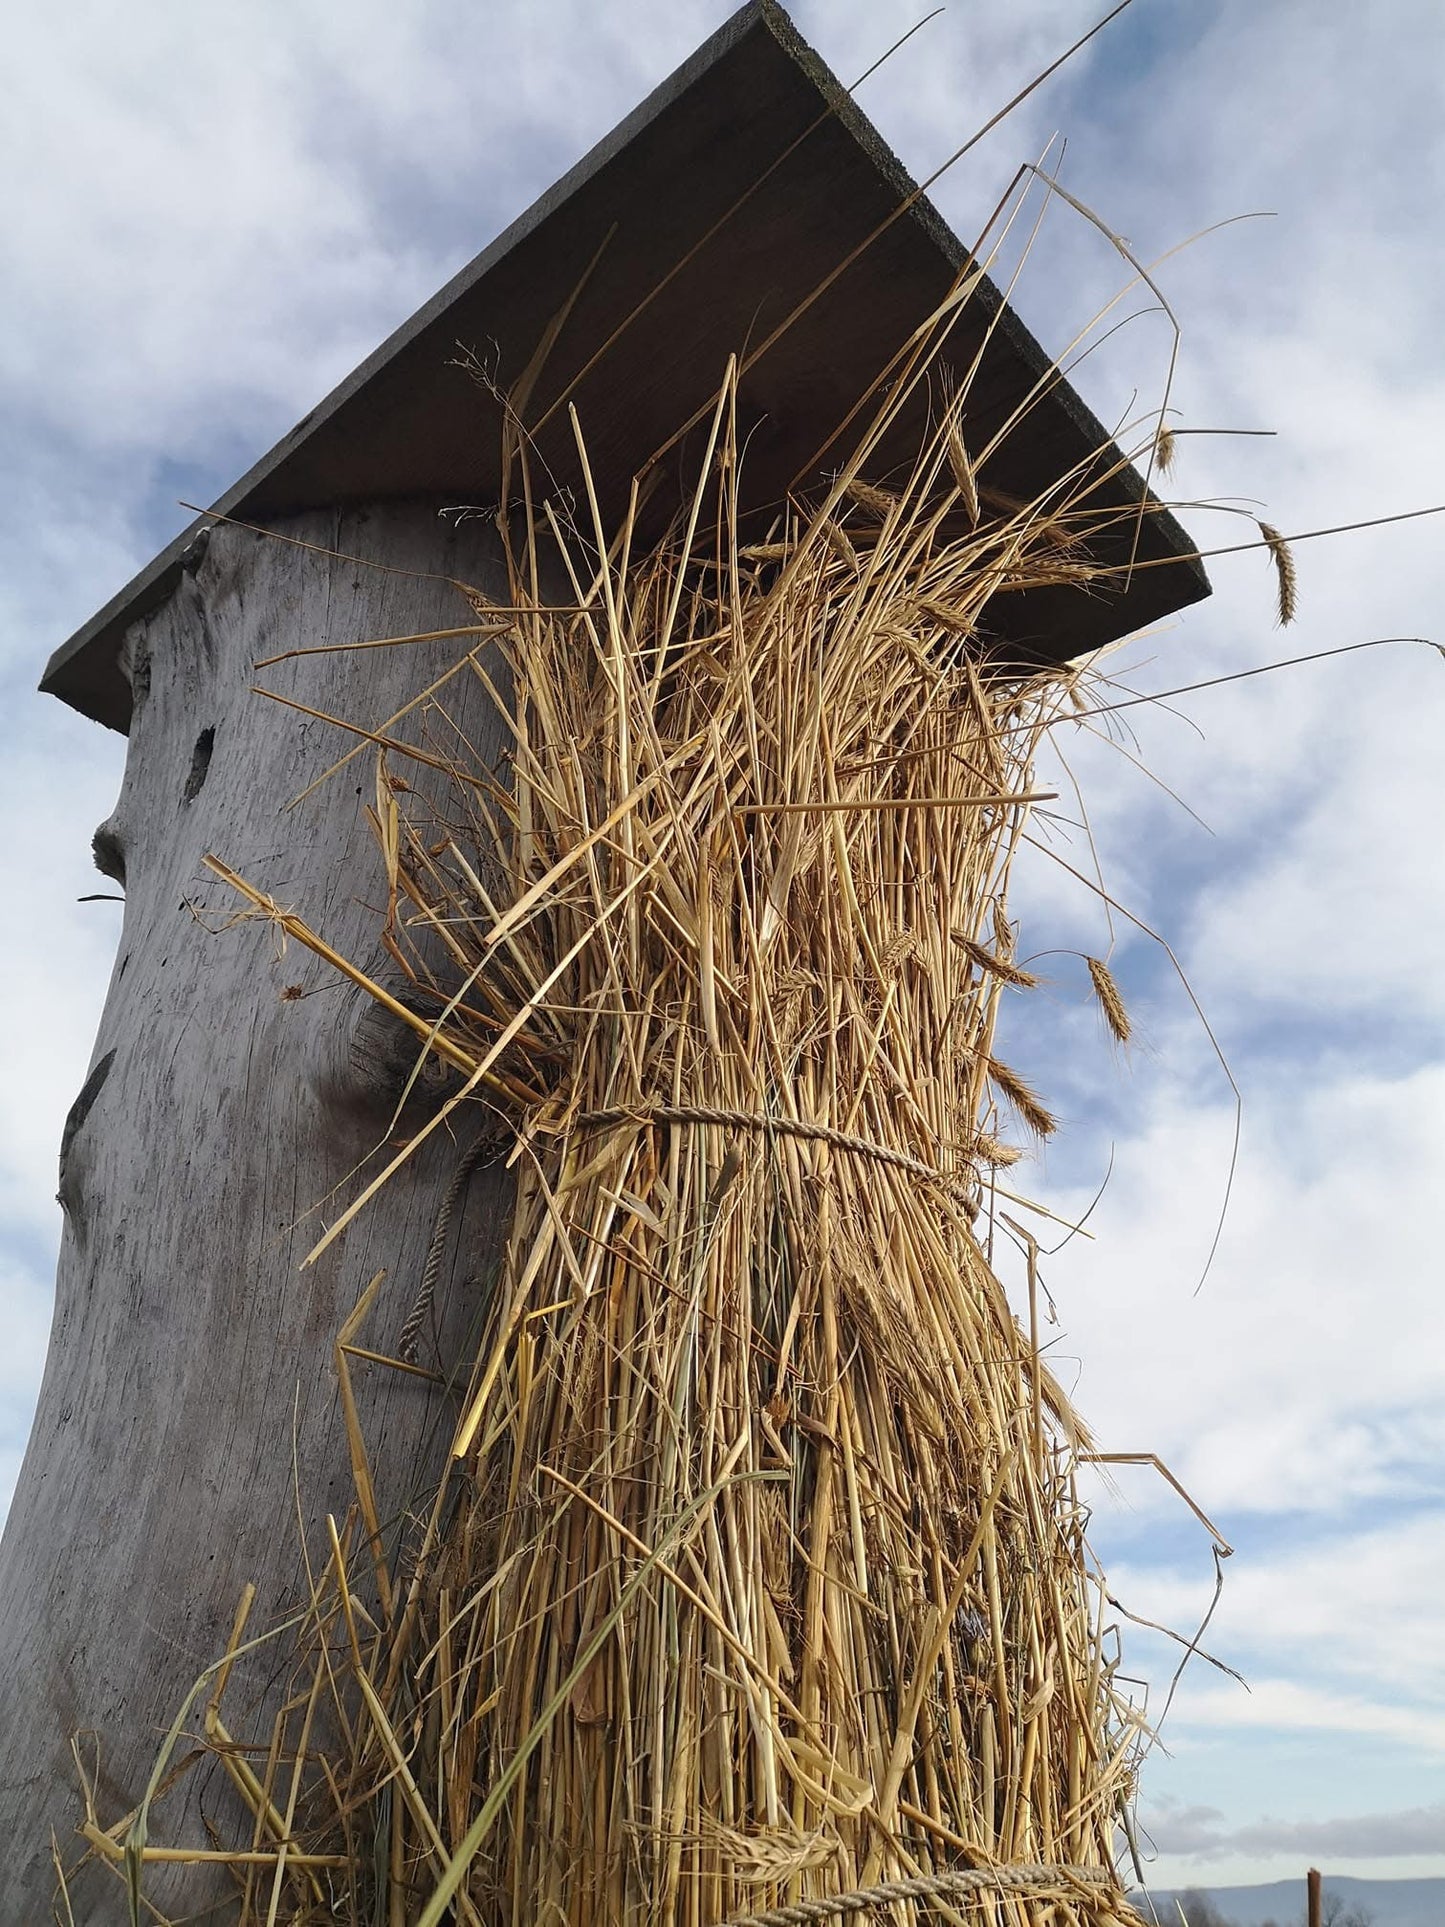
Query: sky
x=222 y=211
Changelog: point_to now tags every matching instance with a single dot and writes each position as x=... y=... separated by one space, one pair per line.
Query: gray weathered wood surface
x=188 y=1348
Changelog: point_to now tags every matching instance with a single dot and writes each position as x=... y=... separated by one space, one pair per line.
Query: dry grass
x=760 y=1573
x=1286 y=575
x=1110 y=998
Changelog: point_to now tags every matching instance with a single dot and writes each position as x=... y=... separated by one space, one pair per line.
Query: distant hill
x=1389 y=1903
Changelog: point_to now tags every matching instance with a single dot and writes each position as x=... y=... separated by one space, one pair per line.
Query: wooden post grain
x=243 y=1083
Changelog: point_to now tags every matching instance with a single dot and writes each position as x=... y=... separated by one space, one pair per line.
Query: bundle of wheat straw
x=766 y=1577
x=769 y=1578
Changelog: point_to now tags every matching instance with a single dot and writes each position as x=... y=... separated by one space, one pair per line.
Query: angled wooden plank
x=706 y=218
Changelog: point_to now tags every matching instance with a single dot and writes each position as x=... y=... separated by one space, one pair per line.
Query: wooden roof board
x=691 y=232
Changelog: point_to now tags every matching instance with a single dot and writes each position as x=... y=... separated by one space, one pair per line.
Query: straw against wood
x=759 y=1579
x=896 y=1612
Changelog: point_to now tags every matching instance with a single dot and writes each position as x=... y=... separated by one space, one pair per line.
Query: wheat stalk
x=1284 y=567
x=1111 y=1002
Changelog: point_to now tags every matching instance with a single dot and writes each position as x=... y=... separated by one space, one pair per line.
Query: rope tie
x=936 y=1886
x=776 y=1127
x=483 y=1150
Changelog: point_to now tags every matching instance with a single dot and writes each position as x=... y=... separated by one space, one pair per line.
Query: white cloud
x=1277 y=1703
x=1199 y=1833
x=56 y=965
x=1296 y=1378
x=1357 y=1608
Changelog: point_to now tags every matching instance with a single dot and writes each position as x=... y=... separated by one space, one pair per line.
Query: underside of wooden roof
x=746 y=207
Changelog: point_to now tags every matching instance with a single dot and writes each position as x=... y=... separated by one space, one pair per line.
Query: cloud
x=1173 y=1828
x=1359 y=1601
x=1286 y=1705
x=57 y=963
x=1199 y=1833
x=1291 y=1380
x=1366 y=1836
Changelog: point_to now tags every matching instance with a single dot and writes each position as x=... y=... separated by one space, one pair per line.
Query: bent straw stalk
x=760 y=1575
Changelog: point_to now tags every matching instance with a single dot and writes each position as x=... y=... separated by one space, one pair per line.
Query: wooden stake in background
x=1316 y=1897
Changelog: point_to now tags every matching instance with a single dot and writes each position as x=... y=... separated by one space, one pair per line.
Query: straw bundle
x=760 y=1575
x=763 y=1482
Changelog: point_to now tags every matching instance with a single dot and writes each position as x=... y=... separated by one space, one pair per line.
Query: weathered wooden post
x=187 y=1435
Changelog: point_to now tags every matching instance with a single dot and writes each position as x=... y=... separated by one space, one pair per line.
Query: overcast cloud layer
x=224 y=211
